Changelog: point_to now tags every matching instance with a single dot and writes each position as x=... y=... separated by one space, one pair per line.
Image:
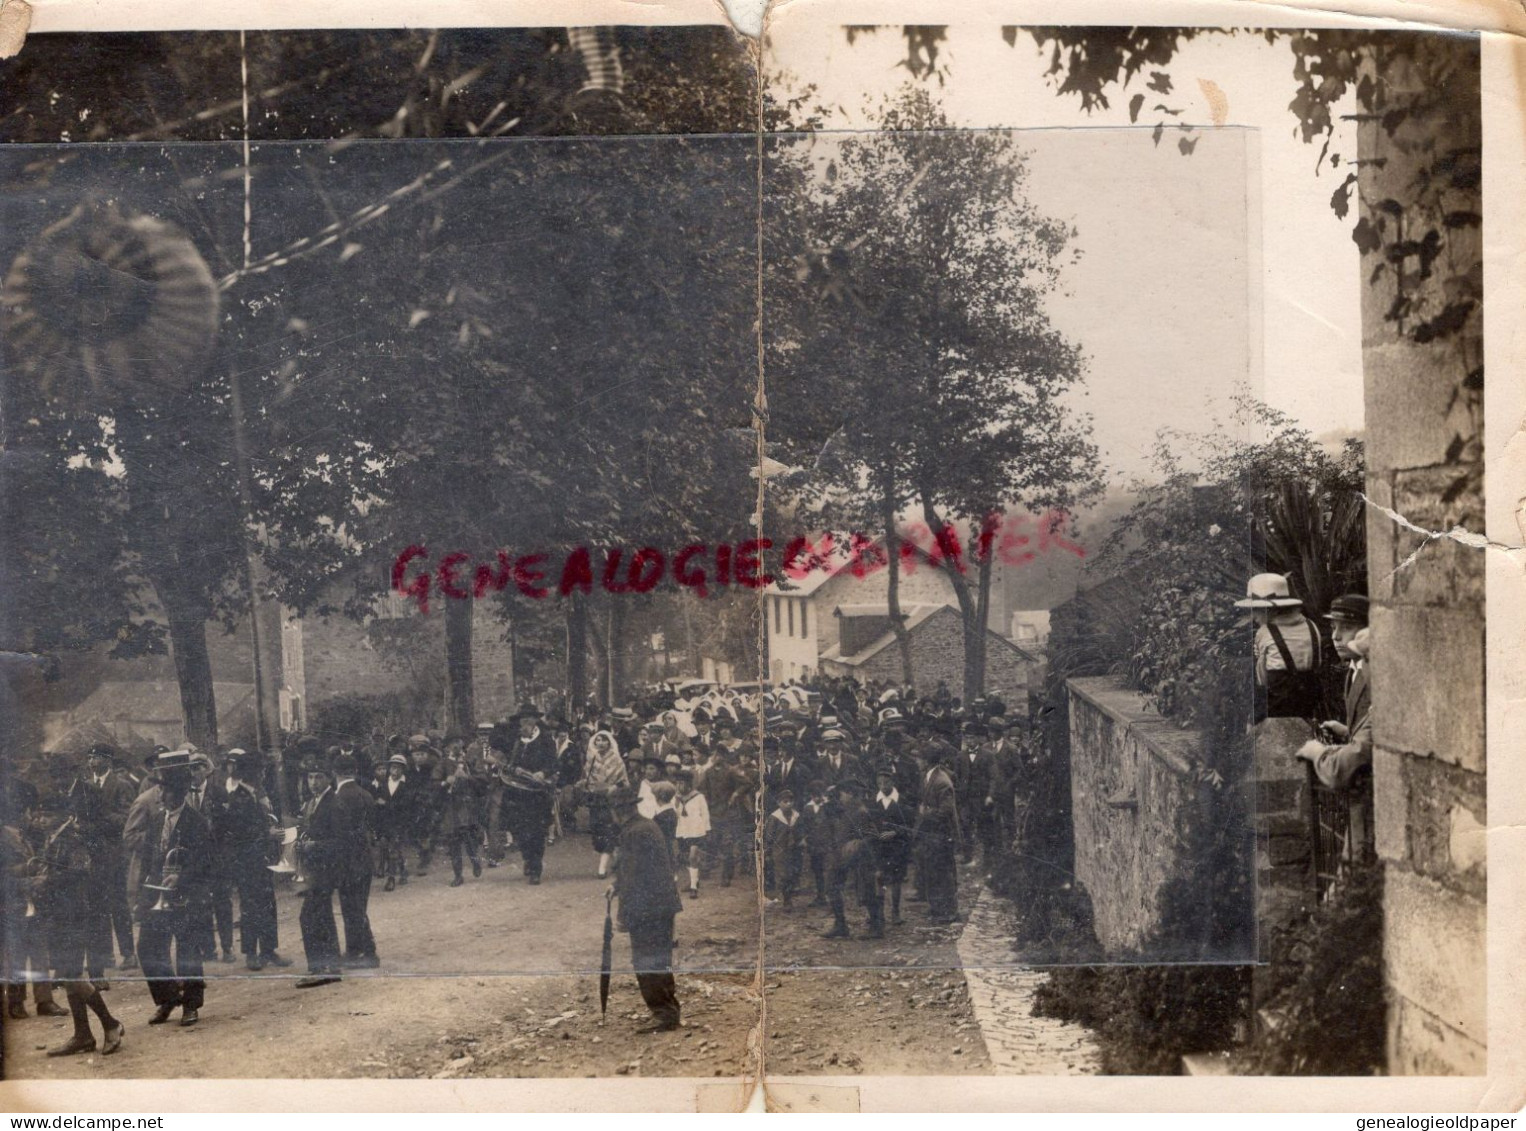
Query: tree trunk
x=459 y=713
x=193 y=665
x=974 y=630
x=577 y=651
x=893 y=590
x=982 y=617
x=614 y=645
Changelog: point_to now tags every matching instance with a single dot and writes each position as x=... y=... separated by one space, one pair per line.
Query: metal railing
x=1340 y=828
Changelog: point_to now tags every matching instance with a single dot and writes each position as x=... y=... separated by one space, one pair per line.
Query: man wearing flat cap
x=116 y=793
x=648 y=901
x=851 y=862
x=245 y=828
x=1348 y=751
x=320 y=852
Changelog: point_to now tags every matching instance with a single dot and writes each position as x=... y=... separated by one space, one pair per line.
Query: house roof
x=875 y=609
x=837 y=561
x=118 y=706
x=914 y=621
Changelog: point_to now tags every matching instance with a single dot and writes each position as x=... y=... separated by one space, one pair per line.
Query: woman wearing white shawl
x=603 y=773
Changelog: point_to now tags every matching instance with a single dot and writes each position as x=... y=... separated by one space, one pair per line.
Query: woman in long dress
x=603 y=773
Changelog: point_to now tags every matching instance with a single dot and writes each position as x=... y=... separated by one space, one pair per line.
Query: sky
x=1200 y=275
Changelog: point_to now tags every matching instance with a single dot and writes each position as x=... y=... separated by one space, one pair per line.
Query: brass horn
x=173 y=864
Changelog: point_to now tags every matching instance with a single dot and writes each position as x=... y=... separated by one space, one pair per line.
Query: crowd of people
x=837 y=792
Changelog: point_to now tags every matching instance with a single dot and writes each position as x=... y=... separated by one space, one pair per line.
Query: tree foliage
x=911 y=353
x=1226 y=506
x=394 y=364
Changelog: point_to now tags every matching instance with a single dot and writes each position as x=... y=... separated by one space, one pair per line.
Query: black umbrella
x=607 y=960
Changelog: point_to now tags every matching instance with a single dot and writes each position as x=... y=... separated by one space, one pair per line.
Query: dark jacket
x=972 y=779
x=397 y=814
x=797 y=779
x=644 y=881
x=191 y=840
x=321 y=841
x=356 y=818
x=938 y=814
x=243 y=830
x=536 y=756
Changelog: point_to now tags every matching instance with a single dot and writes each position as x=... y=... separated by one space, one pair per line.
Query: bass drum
x=105 y=309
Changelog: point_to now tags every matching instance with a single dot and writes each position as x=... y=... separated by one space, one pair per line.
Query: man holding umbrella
x=649 y=900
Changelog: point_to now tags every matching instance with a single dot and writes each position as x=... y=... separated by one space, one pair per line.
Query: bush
x=1148 y=1017
x=354 y=717
x=1225 y=509
x=1323 y=997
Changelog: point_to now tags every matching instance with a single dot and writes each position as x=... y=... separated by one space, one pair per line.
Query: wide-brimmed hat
x=173 y=765
x=1268 y=591
x=1351 y=608
x=890 y=715
x=527 y=711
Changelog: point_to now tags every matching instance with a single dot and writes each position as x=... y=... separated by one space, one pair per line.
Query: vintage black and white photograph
x=617 y=551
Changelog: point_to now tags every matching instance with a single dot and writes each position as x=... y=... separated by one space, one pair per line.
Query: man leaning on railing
x=1344 y=748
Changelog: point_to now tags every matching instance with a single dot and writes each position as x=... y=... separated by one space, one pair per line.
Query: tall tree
x=909 y=312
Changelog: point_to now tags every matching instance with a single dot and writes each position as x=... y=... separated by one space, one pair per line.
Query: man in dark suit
x=835 y=763
x=208 y=797
x=115 y=794
x=784 y=770
x=937 y=835
x=972 y=785
x=179 y=871
x=1348 y=749
x=244 y=830
x=396 y=816
x=321 y=849
x=530 y=784
x=356 y=817
x=649 y=900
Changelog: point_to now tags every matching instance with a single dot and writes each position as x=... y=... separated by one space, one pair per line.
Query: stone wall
x=1428 y=617
x=332 y=657
x=1132 y=786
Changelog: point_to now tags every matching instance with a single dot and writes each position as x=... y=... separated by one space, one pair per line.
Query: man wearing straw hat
x=1289 y=652
x=175 y=906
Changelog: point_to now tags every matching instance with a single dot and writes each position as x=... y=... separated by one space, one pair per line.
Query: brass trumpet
x=174 y=863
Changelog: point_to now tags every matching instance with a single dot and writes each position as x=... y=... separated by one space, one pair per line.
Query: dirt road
x=498 y=978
